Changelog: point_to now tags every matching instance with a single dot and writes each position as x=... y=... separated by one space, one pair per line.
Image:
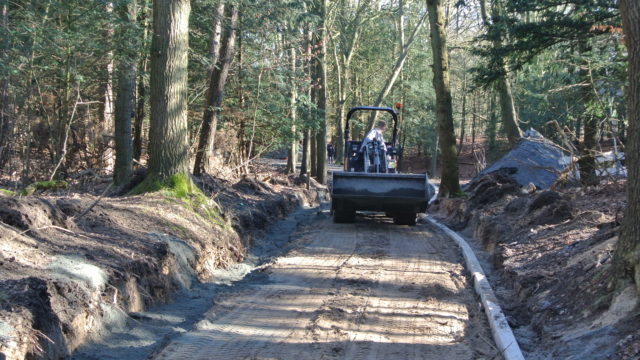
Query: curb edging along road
x=502 y=334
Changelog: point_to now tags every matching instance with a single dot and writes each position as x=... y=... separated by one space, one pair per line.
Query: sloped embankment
x=551 y=252
x=67 y=274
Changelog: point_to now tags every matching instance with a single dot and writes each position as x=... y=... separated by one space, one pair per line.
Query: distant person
x=331 y=153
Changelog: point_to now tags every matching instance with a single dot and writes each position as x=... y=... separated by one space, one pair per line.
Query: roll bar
x=372 y=108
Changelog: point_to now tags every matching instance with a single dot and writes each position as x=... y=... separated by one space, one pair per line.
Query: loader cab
x=382 y=159
x=354 y=158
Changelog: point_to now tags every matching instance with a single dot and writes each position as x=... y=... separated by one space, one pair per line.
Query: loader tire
x=404 y=218
x=344 y=215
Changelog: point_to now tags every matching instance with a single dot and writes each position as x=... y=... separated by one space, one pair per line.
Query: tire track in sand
x=369 y=290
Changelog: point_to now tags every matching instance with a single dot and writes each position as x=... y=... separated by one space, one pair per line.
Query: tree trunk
x=434 y=156
x=215 y=94
x=107 y=121
x=6 y=119
x=214 y=39
x=321 y=137
x=507 y=105
x=627 y=255
x=125 y=97
x=508 y=110
x=169 y=132
x=306 y=149
x=587 y=160
x=463 y=119
x=449 y=184
x=242 y=127
x=140 y=111
x=141 y=89
x=313 y=150
x=344 y=53
x=473 y=120
x=292 y=159
x=492 y=126
x=397 y=68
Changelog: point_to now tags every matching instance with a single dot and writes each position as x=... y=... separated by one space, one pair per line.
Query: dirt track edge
x=502 y=334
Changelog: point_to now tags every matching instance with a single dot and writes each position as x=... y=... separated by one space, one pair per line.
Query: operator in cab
x=375 y=134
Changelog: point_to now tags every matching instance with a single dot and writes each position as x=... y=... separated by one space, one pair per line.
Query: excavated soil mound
x=67 y=275
x=551 y=255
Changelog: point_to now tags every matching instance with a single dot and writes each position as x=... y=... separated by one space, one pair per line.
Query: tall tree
x=141 y=87
x=217 y=82
x=106 y=125
x=305 y=163
x=627 y=256
x=497 y=28
x=292 y=159
x=395 y=72
x=126 y=87
x=321 y=136
x=168 y=133
x=587 y=160
x=344 y=48
x=449 y=185
x=6 y=123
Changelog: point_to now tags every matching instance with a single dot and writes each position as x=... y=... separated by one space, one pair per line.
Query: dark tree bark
x=243 y=145
x=473 y=120
x=492 y=125
x=503 y=86
x=587 y=161
x=217 y=82
x=141 y=88
x=169 y=133
x=125 y=96
x=313 y=149
x=321 y=136
x=627 y=255
x=463 y=117
x=449 y=185
x=140 y=111
x=6 y=120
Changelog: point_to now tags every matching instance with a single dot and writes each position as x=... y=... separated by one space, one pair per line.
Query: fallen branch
x=93 y=204
x=41 y=228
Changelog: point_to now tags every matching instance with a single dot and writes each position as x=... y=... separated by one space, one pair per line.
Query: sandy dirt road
x=369 y=290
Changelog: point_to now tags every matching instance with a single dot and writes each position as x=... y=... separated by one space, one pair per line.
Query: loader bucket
x=381 y=192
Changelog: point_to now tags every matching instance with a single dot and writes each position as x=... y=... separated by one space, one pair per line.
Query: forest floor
x=548 y=255
x=73 y=264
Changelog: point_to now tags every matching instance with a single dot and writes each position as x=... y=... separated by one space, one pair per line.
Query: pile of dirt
x=68 y=275
x=551 y=252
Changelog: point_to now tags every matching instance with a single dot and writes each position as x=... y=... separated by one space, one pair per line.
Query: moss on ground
x=180 y=188
x=7 y=192
x=44 y=185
